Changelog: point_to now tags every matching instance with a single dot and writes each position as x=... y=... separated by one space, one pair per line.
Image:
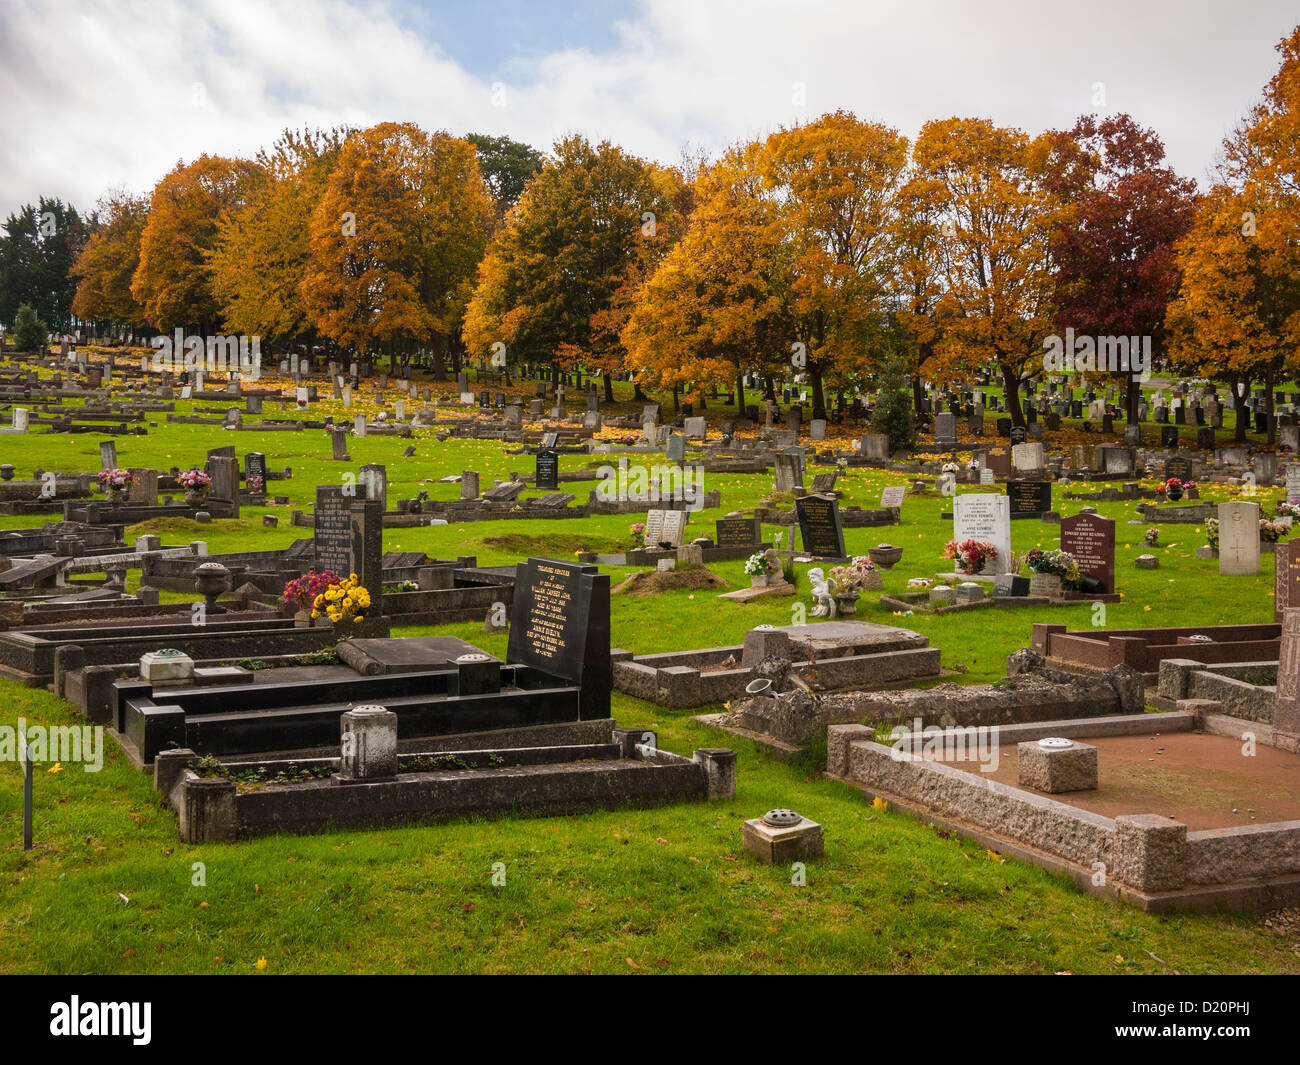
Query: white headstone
x=985 y=516
x=1238 y=538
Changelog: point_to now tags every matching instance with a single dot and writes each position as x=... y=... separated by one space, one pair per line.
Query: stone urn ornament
x=212 y=579
x=886 y=556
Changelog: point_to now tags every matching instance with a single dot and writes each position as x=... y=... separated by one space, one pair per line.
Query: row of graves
x=400 y=731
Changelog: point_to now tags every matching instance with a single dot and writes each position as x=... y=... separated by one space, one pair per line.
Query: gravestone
x=348 y=537
x=1090 y=538
x=224 y=471
x=1027 y=456
x=559 y=625
x=737 y=532
x=1286 y=579
x=986 y=517
x=695 y=428
x=788 y=472
x=945 y=430
x=1293 y=486
x=1286 y=703
x=107 y=455
x=373 y=478
x=1178 y=467
x=548 y=469
x=1169 y=436
x=819 y=526
x=1238 y=538
x=998 y=459
x=338 y=445
x=1029 y=498
x=874 y=446
x=892 y=496
x=469 y=485
x=255 y=466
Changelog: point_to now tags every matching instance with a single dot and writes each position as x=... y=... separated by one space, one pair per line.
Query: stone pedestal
x=369 y=742
x=776 y=846
x=163 y=667
x=1055 y=769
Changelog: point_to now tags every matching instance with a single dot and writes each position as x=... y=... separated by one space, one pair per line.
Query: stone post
x=720 y=768
x=369 y=742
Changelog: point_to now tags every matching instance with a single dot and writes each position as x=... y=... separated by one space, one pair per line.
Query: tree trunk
x=609 y=387
x=1269 y=375
x=637 y=395
x=818 y=393
x=1240 y=390
x=918 y=394
x=1011 y=385
x=1132 y=397
x=740 y=392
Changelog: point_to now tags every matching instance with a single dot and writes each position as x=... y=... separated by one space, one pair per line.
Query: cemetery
x=599 y=564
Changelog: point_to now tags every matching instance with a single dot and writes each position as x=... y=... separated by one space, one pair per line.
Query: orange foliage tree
x=395 y=239
x=109 y=261
x=173 y=283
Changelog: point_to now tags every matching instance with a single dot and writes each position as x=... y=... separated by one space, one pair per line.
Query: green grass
x=666 y=890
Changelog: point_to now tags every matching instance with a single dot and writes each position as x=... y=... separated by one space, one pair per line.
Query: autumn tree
x=173 y=283
x=564 y=253
x=262 y=247
x=1237 y=315
x=109 y=261
x=1116 y=268
x=991 y=194
x=395 y=239
x=715 y=307
x=836 y=179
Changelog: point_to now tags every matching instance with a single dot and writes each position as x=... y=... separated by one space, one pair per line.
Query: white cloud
x=102 y=94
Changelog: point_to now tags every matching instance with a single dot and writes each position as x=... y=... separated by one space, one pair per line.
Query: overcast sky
x=101 y=93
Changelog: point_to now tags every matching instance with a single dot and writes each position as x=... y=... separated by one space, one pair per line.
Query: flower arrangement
x=1212 y=532
x=758 y=564
x=970 y=555
x=853 y=577
x=1288 y=508
x=1055 y=564
x=301 y=592
x=1272 y=531
x=1152 y=537
x=116 y=480
x=637 y=530
x=194 y=480
x=951 y=467
x=255 y=483
x=344 y=600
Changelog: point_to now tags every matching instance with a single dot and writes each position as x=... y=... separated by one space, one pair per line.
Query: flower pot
x=1048 y=584
x=195 y=498
x=1174 y=494
x=116 y=496
x=969 y=567
x=885 y=557
x=760 y=580
x=302 y=619
x=847 y=603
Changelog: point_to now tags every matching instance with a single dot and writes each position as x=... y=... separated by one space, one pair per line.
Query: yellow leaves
x=879 y=804
x=261 y=964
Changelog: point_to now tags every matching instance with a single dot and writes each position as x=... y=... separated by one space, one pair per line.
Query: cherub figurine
x=823 y=594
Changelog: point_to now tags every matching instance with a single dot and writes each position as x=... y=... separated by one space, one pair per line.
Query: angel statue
x=823 y=594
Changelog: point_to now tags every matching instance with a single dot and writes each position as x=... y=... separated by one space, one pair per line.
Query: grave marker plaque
x=737 y=532
x=1090 y=538
x=1238 y=538
x=348 y=537
x=1180 y=468
x=1029 y=498
x=819 y=525
x=892 y=496
x=108 y=455
x=560 y=626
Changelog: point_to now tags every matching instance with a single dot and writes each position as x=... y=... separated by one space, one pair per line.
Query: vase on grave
x=1174 y=494
x=196 y=497
x=846 y=603
x=886 y=556
x=1047 y=584
x=302 y=619
x=116 y=497
x=760 y=580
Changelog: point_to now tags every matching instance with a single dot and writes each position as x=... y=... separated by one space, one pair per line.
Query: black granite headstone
x=819 y=525
x=560 y=626
x=738 y=532
x=548 y=469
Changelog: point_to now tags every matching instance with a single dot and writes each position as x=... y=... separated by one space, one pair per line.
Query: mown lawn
x=666 y=890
